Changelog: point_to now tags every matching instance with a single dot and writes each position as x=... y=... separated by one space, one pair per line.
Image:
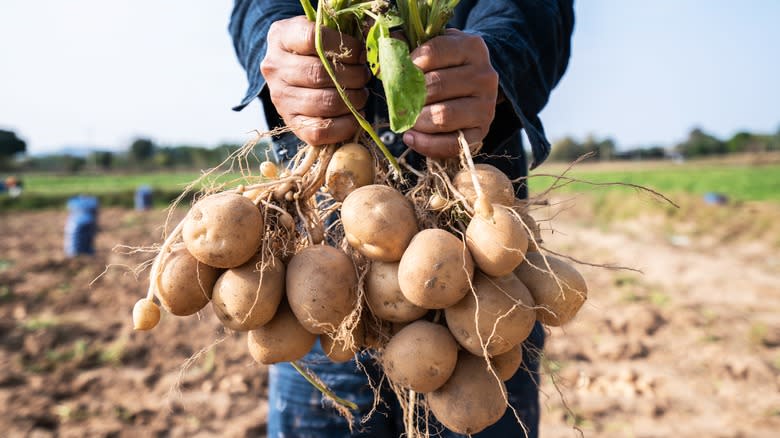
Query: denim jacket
x=529 y=43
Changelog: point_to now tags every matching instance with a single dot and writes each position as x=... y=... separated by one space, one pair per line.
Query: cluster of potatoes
x=457 y=306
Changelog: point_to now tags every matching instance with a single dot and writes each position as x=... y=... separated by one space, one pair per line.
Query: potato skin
x=246 y=298
x=421 y=356
x=223 y=230
x=379 y=222
x=185 y=283
x=283 y=339
x=507 y=364
x=384 y=296
x=494 y=183
x=435 y=270
x=499 y=297
x=321 y=287
x=556 y=307
x=498 y=245
x=351 y=167
x=337 y=351
x=471 y=400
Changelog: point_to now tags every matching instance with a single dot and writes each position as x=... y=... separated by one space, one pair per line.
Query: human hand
x=462 y=87
x=300 y=88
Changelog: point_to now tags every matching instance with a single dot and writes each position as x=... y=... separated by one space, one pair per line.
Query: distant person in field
x=490 y=79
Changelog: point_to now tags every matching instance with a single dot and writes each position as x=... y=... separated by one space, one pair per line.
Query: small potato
x=498 y=245
x=436 y=270
x=384 y=296
x=471 y=400
x=557 y=302
x=338 y=351
x=247 y=297
x=351 y=167
x=223 y=230
x=495 y=185
x=379 y=222
x=146 y=314
x=505 y=318
x=185 y=283
x=507 y=364
x=283 y=339
x=321 y=287
x=421 y=356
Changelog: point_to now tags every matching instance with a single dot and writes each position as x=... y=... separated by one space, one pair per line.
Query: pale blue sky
x=98 y=73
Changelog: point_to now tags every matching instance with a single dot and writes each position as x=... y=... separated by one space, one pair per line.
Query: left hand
x=462 y=88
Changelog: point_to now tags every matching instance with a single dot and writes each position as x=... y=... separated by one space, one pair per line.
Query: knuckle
x=315 y=75
x=329 y=100
x=441 y=115
x=434 y=83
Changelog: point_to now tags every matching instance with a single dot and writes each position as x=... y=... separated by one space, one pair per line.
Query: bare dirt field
x=689 y=348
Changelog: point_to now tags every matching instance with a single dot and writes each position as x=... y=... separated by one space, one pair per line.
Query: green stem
x=323 y=389
x=308 y=9
x=363 y=122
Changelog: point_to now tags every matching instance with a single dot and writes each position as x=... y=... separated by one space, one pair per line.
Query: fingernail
x=409 y=139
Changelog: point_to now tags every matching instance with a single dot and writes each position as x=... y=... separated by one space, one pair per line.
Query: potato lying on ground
x=185 y=283
x=421 y=356
x=351 y=167
x=379 y=222
x=223 y=230
x=384 y=296
x=558 y=302
x=247 y=297
x=471 y=400
x=495 y=185
x=507 y=364
x=283 y=339
x=498 y=244
x=436 y=270
x=321 y=287
x=505 y=318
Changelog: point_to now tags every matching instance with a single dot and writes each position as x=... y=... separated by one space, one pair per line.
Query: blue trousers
x=296 y=409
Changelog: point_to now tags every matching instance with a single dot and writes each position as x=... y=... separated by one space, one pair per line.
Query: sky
x=95 y=73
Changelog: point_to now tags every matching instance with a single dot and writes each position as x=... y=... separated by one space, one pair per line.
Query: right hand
x=300 y=88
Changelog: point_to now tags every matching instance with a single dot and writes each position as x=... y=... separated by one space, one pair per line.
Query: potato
x=471 y=400
x=521 y=207
x=436 y=270
x=283 y=339
x=247 y=297
x=321 y=287
x=146 y=314
x=223 y=230
x=338 y=351
x=495 y=185
x=421 y=356
x=505 y=319
x=384 y=296
x=498 y=245
x=379 y=222
x=557 y=303
x=351 y=167
x=507 y=364
x=185 y=283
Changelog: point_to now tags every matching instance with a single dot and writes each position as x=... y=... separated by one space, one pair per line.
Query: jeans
x=296 y=409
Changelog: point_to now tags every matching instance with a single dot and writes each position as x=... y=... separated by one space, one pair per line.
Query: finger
x=440 y=145
x=319 y=102
x=451 y=83
x=297 y=35
x=308 y=72
x=451 y=115
x=318 y=131
x=448 y=50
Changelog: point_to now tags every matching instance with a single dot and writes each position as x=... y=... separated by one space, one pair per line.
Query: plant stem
x=323 y=389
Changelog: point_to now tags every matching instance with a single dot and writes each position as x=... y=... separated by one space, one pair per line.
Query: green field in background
x=46 y=184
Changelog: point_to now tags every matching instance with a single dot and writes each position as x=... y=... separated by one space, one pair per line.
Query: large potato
x=185 y=283
x=351 y=167
x=379 y=222
x=247 y=297
x=283 y=339
x=507 y=364
x=495 y=185
x=505 y=318
x=223 y=230
x=321 y=287
x=421 y=356
x=471 y=400
x=498 y=244
x=384 y=296
x=558 y=302
x=436 y=270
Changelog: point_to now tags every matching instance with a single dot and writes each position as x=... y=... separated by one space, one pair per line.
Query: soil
x=689 y=348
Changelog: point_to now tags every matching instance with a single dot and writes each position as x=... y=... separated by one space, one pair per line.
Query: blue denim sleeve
x=529 y=43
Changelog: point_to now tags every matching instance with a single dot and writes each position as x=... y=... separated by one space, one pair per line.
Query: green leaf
x=403 y=82
x=372 y=48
